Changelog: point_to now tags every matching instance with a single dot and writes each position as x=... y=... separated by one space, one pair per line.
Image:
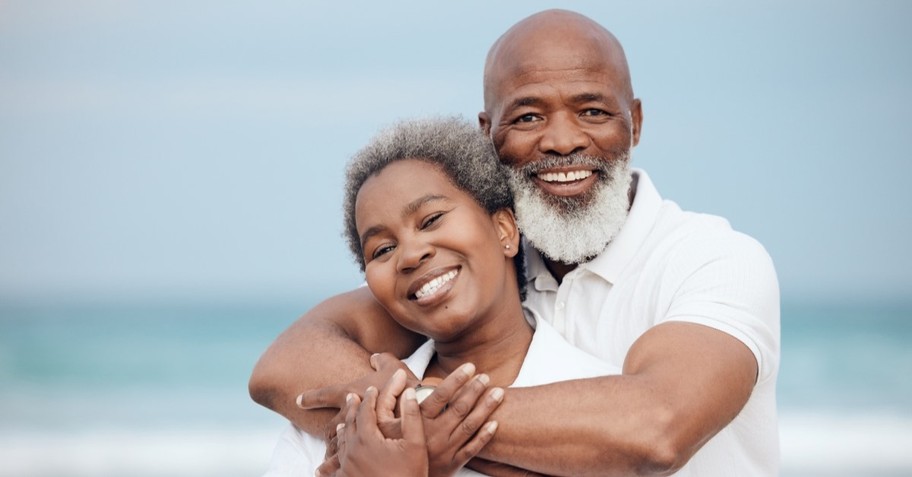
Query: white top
x=549 y=359
x=670 y=265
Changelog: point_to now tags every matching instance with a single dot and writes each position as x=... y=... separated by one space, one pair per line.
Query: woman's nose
x=412 y=254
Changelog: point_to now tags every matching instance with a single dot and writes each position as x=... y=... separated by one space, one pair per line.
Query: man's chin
x=563 y=258
x=573 y=204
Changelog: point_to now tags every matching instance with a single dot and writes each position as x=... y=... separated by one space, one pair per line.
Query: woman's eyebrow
x=409 y=209
x=416 y=204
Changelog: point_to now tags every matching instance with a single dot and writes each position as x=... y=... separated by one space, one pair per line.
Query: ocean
x=161 y=389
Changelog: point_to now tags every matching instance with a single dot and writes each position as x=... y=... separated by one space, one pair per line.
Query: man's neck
x=558 y=269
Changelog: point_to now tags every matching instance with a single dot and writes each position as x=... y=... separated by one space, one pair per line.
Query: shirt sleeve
x=726 y=280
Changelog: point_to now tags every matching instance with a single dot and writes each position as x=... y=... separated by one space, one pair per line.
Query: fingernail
x=468 y=369
x=491 y=427
x=371 y=389
x=339 y=427
x=409 y=393
x=399 y=372
x=299 y=399
x=484 y=379
x=349 y=397
x=497 y=394
x=373 y=360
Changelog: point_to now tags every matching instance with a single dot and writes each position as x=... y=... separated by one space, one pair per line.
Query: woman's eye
x=381 y=251
x=431 y=220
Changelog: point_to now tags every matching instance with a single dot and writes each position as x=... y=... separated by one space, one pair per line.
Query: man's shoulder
x=658 y=224
x=682 y=231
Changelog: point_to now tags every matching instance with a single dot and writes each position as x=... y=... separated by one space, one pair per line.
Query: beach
x=161 y=389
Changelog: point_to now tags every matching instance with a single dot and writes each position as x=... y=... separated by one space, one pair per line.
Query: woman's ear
x=505 y=223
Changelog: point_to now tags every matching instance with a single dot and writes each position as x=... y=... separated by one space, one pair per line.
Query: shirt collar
x=537 y=273
x=611 y=262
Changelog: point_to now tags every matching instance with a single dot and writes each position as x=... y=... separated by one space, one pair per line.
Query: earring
x=507 y=246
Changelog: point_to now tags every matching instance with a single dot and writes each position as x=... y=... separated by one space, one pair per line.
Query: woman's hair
x=458 y=147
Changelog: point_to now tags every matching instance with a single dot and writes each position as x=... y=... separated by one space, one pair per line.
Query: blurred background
x=170 y=189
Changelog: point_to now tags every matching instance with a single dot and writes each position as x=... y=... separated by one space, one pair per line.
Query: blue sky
x=194 y=150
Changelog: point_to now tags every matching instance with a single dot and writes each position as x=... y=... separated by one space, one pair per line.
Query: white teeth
x=564 y=177
x=432 y=286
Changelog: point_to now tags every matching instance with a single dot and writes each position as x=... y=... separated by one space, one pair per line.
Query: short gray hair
x=457 y=146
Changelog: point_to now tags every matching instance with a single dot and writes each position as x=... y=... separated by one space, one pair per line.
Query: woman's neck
x=497 y=347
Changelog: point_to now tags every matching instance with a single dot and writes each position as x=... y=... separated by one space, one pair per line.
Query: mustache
x=598 y=164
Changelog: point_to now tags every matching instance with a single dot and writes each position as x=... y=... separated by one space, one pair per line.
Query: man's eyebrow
x=576 y=99
x=587 y=97
x=524 y=101
x=409 y=209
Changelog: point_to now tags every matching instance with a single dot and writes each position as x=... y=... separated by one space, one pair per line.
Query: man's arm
x=330 y=345
x=681 y=384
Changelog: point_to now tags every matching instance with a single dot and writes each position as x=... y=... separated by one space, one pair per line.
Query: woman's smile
x=432 y=285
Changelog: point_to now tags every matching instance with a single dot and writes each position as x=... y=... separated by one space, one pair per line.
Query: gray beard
x=573 y=230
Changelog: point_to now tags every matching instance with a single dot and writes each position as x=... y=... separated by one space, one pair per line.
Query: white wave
x=161 y=453
x=813 y=444
x=846 y=444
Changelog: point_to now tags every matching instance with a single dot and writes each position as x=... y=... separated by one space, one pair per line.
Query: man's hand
x=456 y=419
x=384 y=365
x=331 y=344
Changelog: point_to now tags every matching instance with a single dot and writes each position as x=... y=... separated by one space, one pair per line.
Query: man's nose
x=563 y=136
x=412 y=253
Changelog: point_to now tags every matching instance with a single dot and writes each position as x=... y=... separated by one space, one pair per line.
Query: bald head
x=557 y=39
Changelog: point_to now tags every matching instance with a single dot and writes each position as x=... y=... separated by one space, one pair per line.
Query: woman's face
x=434 y=258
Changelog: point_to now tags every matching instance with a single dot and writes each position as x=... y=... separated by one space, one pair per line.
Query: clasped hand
x=434 y=438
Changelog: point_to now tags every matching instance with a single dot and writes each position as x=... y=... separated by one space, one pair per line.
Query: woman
x=429 y=219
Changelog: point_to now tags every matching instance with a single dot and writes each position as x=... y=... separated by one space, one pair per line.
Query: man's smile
x=565 y=183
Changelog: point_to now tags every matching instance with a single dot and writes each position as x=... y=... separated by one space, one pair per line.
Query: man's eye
x=594 y=112
x=431 y=220
x=381 y=251
x=526 y=118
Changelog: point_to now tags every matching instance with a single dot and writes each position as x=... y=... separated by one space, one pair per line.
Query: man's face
x=565 y=120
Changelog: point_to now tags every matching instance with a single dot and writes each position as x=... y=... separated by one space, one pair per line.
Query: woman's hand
x=364 y=450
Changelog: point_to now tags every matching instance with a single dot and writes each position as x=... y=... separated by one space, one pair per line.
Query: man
x=685 y=306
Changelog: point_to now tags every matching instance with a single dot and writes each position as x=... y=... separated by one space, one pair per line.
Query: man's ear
x=636 y=119
x=484 y=122
x=505 y=223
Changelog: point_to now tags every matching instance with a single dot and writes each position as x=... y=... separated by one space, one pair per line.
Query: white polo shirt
x=670 y=265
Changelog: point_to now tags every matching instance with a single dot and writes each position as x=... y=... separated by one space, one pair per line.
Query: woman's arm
x=330 y=345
